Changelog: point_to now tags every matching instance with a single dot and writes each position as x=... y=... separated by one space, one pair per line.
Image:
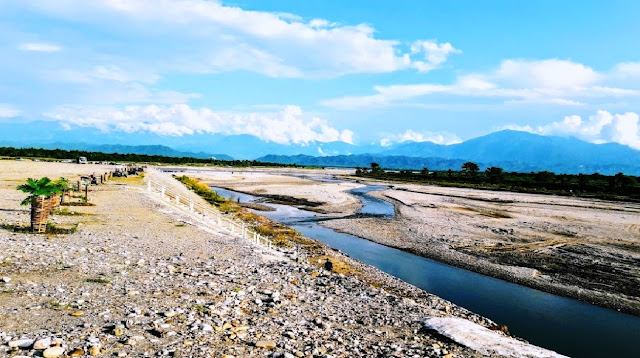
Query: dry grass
x=339 y=266
x=495 y=214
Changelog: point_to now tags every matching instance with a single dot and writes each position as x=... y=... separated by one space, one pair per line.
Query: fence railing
x=206 y=214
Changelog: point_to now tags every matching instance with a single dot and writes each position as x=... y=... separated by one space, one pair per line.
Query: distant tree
x=494 y=174
x=358 y=171
x=375 y=169
x=424 y=172
x=470 y=167
x=450 y=173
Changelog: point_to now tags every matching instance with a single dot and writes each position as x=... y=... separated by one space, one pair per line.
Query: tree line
x=119 y=157
x=619 y=186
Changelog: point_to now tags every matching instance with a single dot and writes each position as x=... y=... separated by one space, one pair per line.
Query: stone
x=78 y=352
x=206 y=328
x=53 y=352
x=118 y=330
x=6 y=279
x=266 y=344
x=77 y=314
x=42 y=343
x=21 y=343
x=95 y=350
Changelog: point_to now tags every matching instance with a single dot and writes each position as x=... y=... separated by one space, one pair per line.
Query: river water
x=561 y=324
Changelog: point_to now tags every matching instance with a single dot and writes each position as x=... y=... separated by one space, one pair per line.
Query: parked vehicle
x=82 y=160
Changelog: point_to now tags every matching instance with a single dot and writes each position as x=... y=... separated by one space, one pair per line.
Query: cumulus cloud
x=287 y=126
x=602 y=127
x=8 y=111
x=39 y=47
x=435 y=54
x=413 y=136
x=207 y=36
x=556 y=82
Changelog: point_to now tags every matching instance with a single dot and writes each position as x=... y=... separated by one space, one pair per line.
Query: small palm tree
x=39 y=192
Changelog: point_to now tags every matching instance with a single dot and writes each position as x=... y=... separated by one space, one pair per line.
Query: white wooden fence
x=207 y=214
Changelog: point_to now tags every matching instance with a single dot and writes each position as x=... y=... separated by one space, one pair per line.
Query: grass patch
x=80 y=203
x=50 y=229
x=55 y=230
x=100 y=280
x=55 y=305
x=64 y=211
x=200 y=308
x=339 y=266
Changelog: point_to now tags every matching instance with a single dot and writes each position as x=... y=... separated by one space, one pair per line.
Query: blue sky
x=296 y=71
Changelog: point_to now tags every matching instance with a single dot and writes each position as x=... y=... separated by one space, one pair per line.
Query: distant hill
x=510 y=150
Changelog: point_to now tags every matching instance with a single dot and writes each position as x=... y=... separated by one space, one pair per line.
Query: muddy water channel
x=561 y=324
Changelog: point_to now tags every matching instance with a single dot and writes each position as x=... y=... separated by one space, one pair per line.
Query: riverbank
x=142 y=278
x=579 y=248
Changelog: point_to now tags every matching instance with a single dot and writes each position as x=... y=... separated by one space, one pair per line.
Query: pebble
x=266 y=344
x=53 y=352
x=95 y=350
x=6 y=279
x=21 y=343
x=78 y=352
x=42 y=343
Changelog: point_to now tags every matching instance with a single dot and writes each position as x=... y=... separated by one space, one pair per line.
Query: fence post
x=149 y=186
x=162 y=192
x=191 y=205
x=177 y=199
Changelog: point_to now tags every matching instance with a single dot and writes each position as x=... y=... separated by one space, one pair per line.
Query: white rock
x=6 y=279
x=21 y=343
x=206 y=328
x=42 y=343
x=53 y=352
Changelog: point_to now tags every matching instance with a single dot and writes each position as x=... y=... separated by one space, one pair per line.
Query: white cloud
x=553 y=81
x=207 y=36
x=603 y=127
x=103 y=73
x=288 y=126
x=39 y=47
x=414 y=136
x=435 y=54
x=551 y=73
x=8 y=111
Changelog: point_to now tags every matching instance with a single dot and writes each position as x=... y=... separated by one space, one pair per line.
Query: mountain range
x=508 y=149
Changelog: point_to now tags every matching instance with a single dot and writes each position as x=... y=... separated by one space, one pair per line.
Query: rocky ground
x=142 y=278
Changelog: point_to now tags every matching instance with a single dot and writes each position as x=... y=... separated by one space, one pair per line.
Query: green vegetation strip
x=609 y=187
x=53 y=154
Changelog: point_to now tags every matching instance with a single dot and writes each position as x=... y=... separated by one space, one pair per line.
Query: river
x=558 y=323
